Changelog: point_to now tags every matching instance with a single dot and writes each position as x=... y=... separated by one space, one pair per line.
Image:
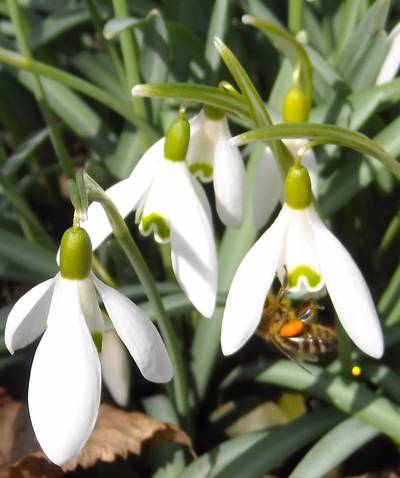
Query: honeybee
x=291 y=329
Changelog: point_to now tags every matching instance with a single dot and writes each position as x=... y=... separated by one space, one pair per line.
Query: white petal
x=90 y=306
x=157 y=202
x=392 y=61
x=194 y=257
x=124 y=194
x=204 y=134
x=65 y=381
x=250 y=287
x=229 y=179
x=115 y=366
x=348 y=291
x=268 y=189
x=138 y=334
x=299 y=253
x=27 y=319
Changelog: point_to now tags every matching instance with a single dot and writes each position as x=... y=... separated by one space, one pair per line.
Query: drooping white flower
x=392 y=61
x=314 y=259
x=172 y=205
x=211 y=158
x=115 y=367
x=65 y=381
x=268 y=186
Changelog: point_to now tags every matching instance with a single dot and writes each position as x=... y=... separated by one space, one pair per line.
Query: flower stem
x=137 y=261
x=55 y=135
x=295 y=15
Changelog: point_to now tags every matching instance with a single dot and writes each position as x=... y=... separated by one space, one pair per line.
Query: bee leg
x=306 y=311
x=284 y=287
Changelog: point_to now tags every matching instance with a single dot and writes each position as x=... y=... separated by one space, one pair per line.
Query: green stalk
x=121 y=233
x=112 y=53
x=18 y=61
x=296 y=10
x=130 y=54
x=344 y=349
x=55 y=135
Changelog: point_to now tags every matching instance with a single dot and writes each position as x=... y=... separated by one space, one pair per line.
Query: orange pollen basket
x=291 y=329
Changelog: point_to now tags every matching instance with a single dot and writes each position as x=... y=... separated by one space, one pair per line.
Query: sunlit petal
x=194 y=257
x=392 y=61
x=27 y=319
x=138 y=334
x=90 y=306
x=250 y=286
x=65 y=381
x=115 y=367
x=348 y=291
x=229 y=179
x=125 y=194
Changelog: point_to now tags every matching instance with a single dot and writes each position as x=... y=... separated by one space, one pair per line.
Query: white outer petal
x=125 y=194
x=229 y=179
x=348 y=291
x=392 y=61
x=138 y=334
x=65 y=381
x=194 y=256
x=27 y=319
x=115 y=367
x=250 y=287
x=268 y=189
x=90 y=306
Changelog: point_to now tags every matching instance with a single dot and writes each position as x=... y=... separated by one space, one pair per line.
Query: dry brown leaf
x=117 y=433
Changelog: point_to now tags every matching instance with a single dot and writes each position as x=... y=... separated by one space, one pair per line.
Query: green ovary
x=313 y=278
x=98 y=340
x=203 y=170
x=159 y=223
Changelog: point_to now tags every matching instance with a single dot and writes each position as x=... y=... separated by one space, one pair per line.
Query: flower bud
x=298 y=194
x=296 y=107
x=177 y=140
x=75 y=254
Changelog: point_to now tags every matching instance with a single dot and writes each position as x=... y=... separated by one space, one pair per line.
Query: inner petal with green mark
x=204 y=171
x=155 y=223
x=98 y=340
x=303 y=271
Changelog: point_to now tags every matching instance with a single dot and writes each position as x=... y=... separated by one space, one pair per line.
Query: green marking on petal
x=159 y=223
x=98 y=340
x=203 y=170
x=75 y=254
x=313 y=278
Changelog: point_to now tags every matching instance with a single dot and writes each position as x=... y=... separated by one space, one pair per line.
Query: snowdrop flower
x=268 y=186
x=65 y=381
x=300 y=242
x=392 y=61
x=211 y=158
x=170 y=204
x=115 y=367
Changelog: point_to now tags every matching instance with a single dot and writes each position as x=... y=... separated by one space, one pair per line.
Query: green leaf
x=23 y=151
x=253 y=454
x=217 y=28
x=117 y=25
x=358 y=43
x=16 y=250
x=325 y=134
x=290 y=47
x=54 y=25
x=333 y=448
x=348 y=396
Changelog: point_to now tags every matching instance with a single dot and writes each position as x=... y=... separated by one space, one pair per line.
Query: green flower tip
x=155 y=222
x=204 y=171
x=177 y=140
x=298 y=193
x=75 y=254
x=213 y=113
x=296 y=106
